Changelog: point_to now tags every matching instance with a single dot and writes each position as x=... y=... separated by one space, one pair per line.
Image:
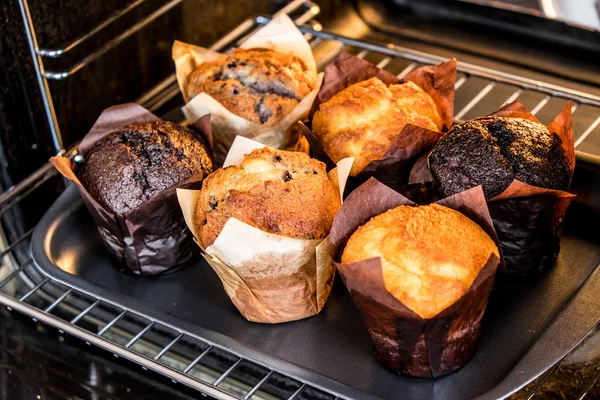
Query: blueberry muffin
x=280 y=192
x=493 y=151
x=140 y=161
x=363 y=120
x=260 y=85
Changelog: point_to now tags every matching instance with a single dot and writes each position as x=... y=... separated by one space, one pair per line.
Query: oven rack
x=166 y=349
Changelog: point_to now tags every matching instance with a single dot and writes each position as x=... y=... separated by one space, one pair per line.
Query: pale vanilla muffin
x=430 y=255
x=363 y=120
x=281 y=192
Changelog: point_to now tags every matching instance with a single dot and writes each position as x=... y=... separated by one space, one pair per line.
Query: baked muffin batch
x=403 y=263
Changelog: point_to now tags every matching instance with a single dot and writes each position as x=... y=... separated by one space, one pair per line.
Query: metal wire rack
x=177 y=354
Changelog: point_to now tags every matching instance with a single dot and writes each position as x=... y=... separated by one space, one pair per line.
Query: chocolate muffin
x=281 y=192
x=139 y=161
x=260 y=85
x=493 y=151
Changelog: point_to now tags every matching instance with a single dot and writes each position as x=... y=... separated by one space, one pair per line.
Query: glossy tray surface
x=528 y=326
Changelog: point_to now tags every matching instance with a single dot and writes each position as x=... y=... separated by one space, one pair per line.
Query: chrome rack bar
x=362 y=54
x=38 y=66
x=168 y=347
x=384 y=62
x=32 y=291
x=16 y=243
x=111 y=323
x=461 y=82
x=58 y=300
x=92 y=338
x=16 y=272
x=297 y=392
x=25 y=184
x=471 y=69
x=407 y=70
x=258 y=385
x=541 y=104
x=197 y=360
x=475 y=100
x=55 y=53
x=574 y=107
x=20 y=196
x=514 y=96
x=587 y=132
x=224 y=375
x=140 y=334
x=84 y=312
x=111 y=43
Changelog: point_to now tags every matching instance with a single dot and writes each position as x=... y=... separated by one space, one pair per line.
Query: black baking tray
x=528 y=325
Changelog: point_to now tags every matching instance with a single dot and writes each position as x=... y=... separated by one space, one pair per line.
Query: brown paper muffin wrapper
x=402 y=340
x=269 y=278
x=152 y=238
x=394 y=167
x=528 y=219
x=281 y=34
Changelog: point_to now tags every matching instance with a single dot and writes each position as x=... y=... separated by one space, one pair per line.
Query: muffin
x=363 y=120
x=493 y=151
x=139 y=161
x=430 y=255
x=280 y=192
x=260 y=85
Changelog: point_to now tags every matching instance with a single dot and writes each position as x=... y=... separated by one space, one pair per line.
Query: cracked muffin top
x=260 y=85
x=430 y=255
x=139 y=161
x=281 y=192
x=492 y=151
x=364 y=119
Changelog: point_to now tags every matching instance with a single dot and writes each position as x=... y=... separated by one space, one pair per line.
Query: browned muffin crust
x=362 y=120
x=260 y=85
x=492 y=151
x=281 y=192
x=430 y=255
x=139 y=161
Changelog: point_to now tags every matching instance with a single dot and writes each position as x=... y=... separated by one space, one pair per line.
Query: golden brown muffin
x=430 y=255
x=362 y=120
x=260 y=85
x=281 y=192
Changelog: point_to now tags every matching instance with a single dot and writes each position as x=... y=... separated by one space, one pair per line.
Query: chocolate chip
x=212 y=202
x=243 y=63
x=315 y=172
x=235 y=91
x=232 y=64
x=272 y=226
x=277 y=158
x=287 y=176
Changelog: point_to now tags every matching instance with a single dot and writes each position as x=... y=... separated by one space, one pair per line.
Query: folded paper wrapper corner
x=269 y=278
